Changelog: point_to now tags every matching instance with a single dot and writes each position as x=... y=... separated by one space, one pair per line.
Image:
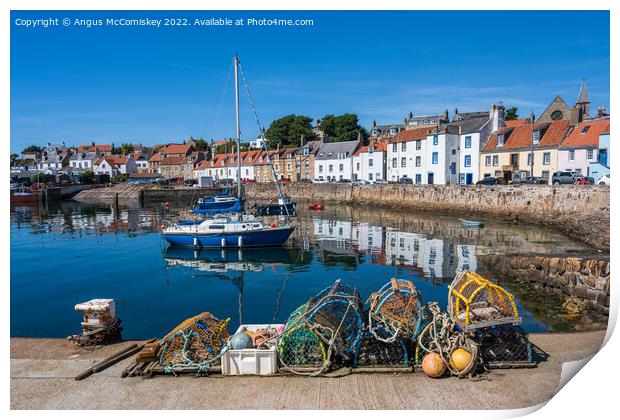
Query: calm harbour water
x=75 y=252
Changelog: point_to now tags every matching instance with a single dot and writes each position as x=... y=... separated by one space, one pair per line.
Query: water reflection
x=118 y=252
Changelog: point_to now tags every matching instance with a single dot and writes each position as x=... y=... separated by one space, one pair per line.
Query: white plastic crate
x=252 y=361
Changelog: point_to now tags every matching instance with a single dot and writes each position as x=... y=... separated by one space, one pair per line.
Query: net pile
x=503 y=346
x=196 y=343
x=475 y=302
x=396 y=310
x=327 y=329
x=376 y=353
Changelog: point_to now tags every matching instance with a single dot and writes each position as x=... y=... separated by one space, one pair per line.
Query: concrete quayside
x=43 y=371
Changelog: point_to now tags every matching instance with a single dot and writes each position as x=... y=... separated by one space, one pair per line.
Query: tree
x=14 y=156
x=227 y=147
x=39 y=178
x=343 y=127
x=288 y=130
x=201 y=145
x=126 y=148
x=32 y=148
x=87 y=177
x=511 y=114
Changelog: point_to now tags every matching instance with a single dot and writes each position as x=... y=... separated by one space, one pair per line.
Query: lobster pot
x=195 y=344
x=299 y=348
x=336 y=315
x=395 y=310
x=475 y=302
x=504 y=346
x=375 y=353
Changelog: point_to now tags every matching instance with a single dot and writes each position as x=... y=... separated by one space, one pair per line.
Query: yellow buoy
x=460 y=359
x=433 y=365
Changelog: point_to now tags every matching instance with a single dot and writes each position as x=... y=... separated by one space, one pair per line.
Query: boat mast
x=238 y=127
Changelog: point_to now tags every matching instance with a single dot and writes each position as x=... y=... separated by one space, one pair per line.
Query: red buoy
x=273 y=225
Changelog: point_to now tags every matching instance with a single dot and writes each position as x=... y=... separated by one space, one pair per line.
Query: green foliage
x=288 y=130
x=343 y=127
x=32 y=148
x=511 y=114
x=87 y=177
x=39 y=177
x=227 y=147
x=14 y=156
x=121 y=178
x=201 y=145
x=126 y=148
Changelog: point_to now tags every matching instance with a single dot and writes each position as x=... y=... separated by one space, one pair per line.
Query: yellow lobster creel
x=475 y=302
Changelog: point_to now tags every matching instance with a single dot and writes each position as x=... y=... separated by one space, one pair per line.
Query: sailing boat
x=284 y=207
x=221 y=203
x=235 y=231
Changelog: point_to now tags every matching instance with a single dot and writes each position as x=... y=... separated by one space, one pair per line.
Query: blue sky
x=149 y=85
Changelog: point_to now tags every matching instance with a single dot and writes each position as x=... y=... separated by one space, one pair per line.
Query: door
x=469 y=179
x=431 y=178
x=602 y=156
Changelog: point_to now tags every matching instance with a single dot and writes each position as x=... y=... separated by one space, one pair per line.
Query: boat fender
x=240 y=241
x=195 y=242
x=223 y=242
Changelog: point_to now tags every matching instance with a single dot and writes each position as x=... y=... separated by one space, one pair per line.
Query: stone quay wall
x=582 y=282
x=581 y=212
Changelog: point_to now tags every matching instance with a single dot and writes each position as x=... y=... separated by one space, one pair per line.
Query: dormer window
x=306 y=151
x=371 y=149
x=585 y=129
x=536 y=136
x=393 y=131
x=500 y=140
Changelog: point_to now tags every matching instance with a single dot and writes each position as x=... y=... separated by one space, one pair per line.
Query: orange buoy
x=433 y=365
x=273 y=225
x=460 y=359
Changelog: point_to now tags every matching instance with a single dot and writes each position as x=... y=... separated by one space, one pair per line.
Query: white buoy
x=195 y=242
x=223 y=242
x=239 y=241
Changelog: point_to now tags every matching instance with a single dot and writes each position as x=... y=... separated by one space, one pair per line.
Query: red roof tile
x=517 y=122
x=156 y=157
x=589 y=138
x=520 y=137
x=418 y=133
x=176 y=149
x=379 y=146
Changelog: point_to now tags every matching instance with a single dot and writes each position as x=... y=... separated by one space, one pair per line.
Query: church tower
x=583 y=102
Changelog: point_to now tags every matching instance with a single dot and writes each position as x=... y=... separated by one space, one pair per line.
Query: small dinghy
x=472 y=223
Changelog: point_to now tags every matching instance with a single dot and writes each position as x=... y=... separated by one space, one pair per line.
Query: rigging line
x=247 y=90
x=216 y=117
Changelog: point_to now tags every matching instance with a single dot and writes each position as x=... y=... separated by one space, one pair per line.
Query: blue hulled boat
x=245 y=231
x=211 y=205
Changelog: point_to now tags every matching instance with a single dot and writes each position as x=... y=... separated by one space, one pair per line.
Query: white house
x=142 y=163
x=334 y=162
x=406 y=154
x=473 y=130
x=602 y=165
x=106 y=166
x=369 y=162
x=83 y=161
x=579 y=150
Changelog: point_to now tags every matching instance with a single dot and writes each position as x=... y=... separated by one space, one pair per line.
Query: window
x=418 y=144
x=341 y=167
x=393 y=131
x=571 y=155
x=370 y=149
x=487 y=175
x=435 y=158
x=418 y=161
x=468 y=142
x=536 y=136
x=495 y=160
x=467 y=161
x=461 y=179
x=529 y=159
x=435 y=139
x=331 y=168
x=357 y=165
x=545 y=174
x=514 y=159
x=306 y=151
x=418 y=179
x=500 y=140
x=370 y=176
x=487 y=160
x=403 y=162
x=369 y=162
x=403 y=147
x=394 y=164
x=546 y=158
x=394 y=148
x=585 y=129
x=590 y=154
